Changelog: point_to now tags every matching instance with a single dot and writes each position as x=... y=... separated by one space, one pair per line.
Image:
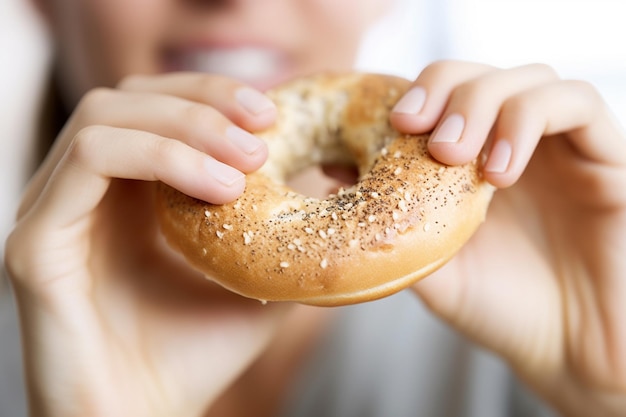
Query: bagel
x=404 y=218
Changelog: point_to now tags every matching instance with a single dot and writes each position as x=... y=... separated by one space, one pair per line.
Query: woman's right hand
x=114 y=323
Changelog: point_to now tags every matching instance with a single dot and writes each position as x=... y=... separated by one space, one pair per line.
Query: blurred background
x=581 y=39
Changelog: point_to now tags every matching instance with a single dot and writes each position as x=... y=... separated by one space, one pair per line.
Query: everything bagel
x=405 y=217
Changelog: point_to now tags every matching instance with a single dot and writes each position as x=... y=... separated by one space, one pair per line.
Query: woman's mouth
x=259 y=67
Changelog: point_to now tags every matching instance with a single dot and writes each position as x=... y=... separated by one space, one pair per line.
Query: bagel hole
x=319 y=181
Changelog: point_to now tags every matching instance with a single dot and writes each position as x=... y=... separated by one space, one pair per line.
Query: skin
x=114 y=323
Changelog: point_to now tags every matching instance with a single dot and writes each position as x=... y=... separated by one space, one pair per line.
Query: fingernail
x=253 y=101
x=244 y=140
x=499 y=157
x=222 y=173
x=450 y=130
x=412 y=102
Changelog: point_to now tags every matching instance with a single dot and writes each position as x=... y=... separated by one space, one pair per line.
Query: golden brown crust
x=407 y=215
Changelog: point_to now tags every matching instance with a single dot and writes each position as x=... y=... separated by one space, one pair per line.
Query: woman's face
x=262 y=42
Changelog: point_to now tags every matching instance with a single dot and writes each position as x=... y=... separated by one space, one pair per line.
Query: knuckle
x=132 y=82
x=92 y=103
x=96 y=97
x=469 y=90
x=20 y=254
x=546 y=70
x=83 y=147
x=194 y=114
x=587 y=89
x=440 y=69
x=523 y=105
x=163 y=150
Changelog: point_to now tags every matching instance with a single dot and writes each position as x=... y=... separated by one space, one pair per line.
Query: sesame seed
x=353 y=243
x=219 y=234
x=330 y=231
x=397 y=154
x=322 y=234
x=308 y=230
x=361 y=224
x=426 y=227
x=227 y=226
x=324 y=263
x=284 y=264
x=397 y=171
x=371 y=218
x=374 y=194
x=207 y=213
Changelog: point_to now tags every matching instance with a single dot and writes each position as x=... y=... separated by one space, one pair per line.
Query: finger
x=559 y=107
x=193 y=123
x=244 y=105
x=196 y=124
x=474 y=107
x=422 y=106
x=99 y=153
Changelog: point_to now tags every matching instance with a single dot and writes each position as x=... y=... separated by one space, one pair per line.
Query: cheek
x=100 y=42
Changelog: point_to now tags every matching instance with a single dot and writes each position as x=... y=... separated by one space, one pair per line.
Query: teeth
x=246 y=64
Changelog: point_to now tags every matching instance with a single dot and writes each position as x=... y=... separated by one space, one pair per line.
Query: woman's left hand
x=543 y=281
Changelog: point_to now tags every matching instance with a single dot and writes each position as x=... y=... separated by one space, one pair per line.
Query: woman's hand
x=543 y=282
x=114 y=323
